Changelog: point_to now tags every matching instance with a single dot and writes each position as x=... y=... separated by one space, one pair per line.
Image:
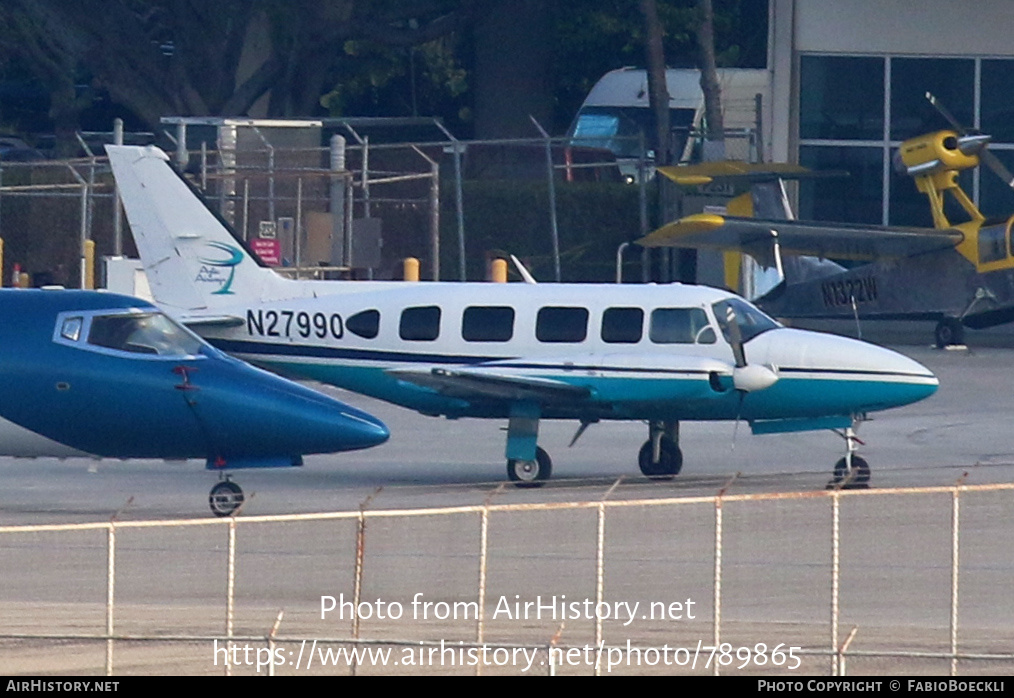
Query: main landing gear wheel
x=858 y=478
x=670 y=459
x=949 y=331
x=225 y=498
x=530 y=473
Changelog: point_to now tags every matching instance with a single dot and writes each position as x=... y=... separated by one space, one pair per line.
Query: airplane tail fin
x=193 y=259
x=763 y=272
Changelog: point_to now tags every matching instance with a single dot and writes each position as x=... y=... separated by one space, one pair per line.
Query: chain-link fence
x=897 y=581
x=356 y=209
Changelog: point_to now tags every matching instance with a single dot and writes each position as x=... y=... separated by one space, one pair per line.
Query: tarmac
x=895 y=585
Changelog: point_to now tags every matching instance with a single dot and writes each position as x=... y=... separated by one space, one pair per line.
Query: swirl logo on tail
x=213 y=270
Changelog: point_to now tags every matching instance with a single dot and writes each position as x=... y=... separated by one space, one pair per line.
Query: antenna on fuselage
x=525 y=274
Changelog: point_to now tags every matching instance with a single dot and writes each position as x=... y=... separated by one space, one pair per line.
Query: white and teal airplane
x=521 y=352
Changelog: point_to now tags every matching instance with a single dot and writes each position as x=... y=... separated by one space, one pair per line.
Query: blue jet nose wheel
x=530 y=473
x=225 y=498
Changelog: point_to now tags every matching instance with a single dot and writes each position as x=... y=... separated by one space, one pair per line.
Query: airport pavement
x=895 y=584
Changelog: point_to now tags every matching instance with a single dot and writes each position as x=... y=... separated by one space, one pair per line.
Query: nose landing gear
x=225 y=498
x=850 y=472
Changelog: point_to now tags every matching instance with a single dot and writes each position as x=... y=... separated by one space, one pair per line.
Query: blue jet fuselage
x=68 y=389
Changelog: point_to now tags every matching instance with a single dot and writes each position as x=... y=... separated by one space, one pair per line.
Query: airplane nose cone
x=843 y=374
x=362 y=430
x=247 y=411
x=315 y=423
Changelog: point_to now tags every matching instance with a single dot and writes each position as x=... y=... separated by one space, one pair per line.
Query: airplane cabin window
x=71 y=328
x=993 y=243
x=487 y=323
x=420 y=324
x=366 y=324
x=680 y=326
x=150 y=333
x=561 y=324
x=622 y=325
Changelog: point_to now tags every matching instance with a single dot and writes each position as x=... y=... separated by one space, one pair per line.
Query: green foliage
x=375 y=80
x=596 y=36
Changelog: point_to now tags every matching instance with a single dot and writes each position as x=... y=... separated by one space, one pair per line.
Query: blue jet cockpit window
x=71 y=328
x=750 y=320
x=149 y=333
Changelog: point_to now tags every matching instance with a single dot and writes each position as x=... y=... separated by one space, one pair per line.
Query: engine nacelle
x=939 y=152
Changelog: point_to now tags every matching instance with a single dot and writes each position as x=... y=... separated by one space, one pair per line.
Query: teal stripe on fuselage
x=688 y=397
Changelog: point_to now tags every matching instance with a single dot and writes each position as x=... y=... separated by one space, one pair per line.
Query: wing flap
x=826 y=240
x=486 y=383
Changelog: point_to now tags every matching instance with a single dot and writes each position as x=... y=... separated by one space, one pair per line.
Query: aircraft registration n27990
x=87 y=373
x=521 y=352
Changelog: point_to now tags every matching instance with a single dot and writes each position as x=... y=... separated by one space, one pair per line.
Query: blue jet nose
x=248 y=412
x=360 y=429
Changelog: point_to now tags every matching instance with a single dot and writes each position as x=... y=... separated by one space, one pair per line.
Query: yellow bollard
x=24 y=281
x=89 y=262
x=410 y=269
x=498 y=271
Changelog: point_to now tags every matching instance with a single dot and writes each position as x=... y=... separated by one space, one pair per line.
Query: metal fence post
x=480 y=621
x=339 y=254
x=552 y=199
x=835 y=577
x=110 y=593
x=955 y=511
x=717 y=599
x=117 y=216
x=230 y=593
x=459 y=207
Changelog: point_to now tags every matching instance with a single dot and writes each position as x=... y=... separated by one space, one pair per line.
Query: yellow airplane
x=960 y=274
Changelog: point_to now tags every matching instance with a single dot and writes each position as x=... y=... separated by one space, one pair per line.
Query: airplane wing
x=490 y=383
x=826 y=240
x=706 y=172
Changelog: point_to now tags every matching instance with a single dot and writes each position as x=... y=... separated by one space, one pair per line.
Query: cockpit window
x=149 y=333
x=71 y=328
x=751 y=321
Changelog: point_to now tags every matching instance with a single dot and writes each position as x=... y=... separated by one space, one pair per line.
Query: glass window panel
x=420 y=324
x=622 y=325
x=487 y=324
x=679 y=326
x=142 y=334
x=366 y=324
x=841 y=97
x=996 y=199
x=71 y=328
x=561 y=324
x=997 y=108
x=857 y=198
x=993 y=243
x=951 y=80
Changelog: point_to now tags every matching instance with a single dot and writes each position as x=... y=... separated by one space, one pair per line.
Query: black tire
x=533 y=473
x=860 y=480
x=225 y=498
x=949 y=331
x=670 y=461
